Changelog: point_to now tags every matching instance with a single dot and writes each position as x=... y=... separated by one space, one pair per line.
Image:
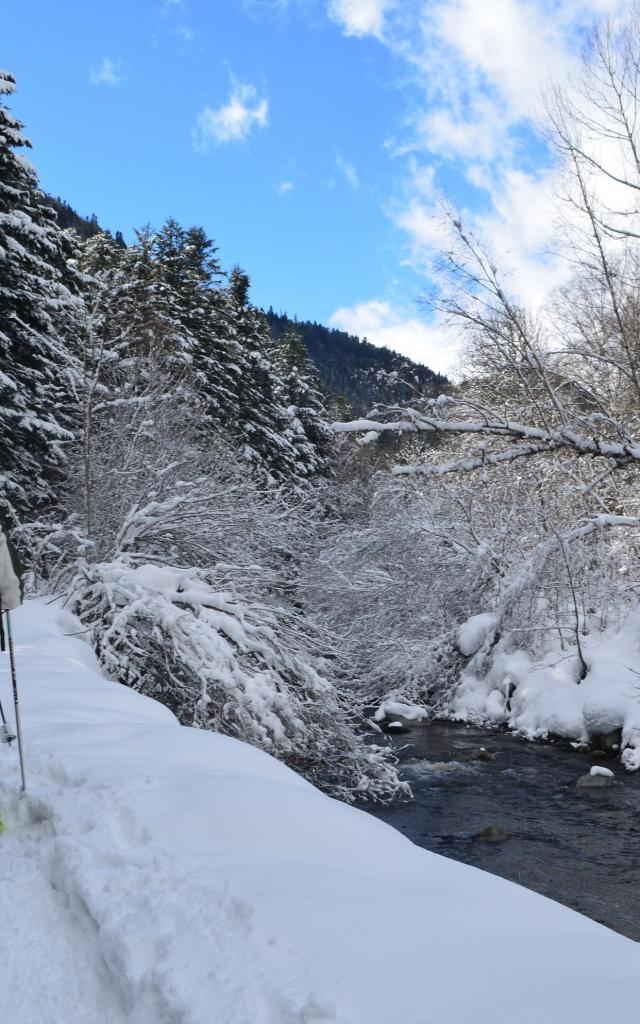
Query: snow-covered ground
x=541 y=696
x=155 y=874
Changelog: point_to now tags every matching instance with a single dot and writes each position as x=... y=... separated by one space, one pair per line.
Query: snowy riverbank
x=541 y=697
x=156 y=873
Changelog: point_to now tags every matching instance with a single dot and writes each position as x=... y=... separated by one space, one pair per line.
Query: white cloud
x=400 y=330
x=360 y=17
x=515 y=45
x=481 y=68
x=479 y=71
x=424 y=225
x=517 y=225
x=482 y=133
x=347 y=169
x=108 y=72
x=285 y=187
x=233 y=120
x=519 y=229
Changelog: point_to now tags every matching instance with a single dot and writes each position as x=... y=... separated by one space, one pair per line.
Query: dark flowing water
x=579 y=847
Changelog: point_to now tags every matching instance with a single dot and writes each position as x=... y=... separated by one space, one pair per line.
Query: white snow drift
x=157 y=874
x=541 y=696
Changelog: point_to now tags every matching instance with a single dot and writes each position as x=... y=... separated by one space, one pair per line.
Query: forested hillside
x=67 y=217
x=348 y=367
x=354 y=369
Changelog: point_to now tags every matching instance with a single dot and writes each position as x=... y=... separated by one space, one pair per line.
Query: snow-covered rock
x=392 y=708
x=155 y=872
x=594 y=781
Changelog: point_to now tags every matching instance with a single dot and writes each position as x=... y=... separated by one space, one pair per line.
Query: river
x=579 y=847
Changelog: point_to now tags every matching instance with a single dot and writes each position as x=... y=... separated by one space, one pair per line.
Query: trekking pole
x=14 y=680
x=6 y=736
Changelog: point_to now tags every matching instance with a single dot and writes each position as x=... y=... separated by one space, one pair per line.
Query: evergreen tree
x=301 y=392
x=159 y=313
x=149 y=311
x=135 y=308
x=39 y=321
x=262 y=423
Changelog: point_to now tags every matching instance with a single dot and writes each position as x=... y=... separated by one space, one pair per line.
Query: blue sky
x=311 y=138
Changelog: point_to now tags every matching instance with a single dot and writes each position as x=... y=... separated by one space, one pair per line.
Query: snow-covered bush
x=196 y=604
x=399 y=575
x=241 y=667
x=435 y=575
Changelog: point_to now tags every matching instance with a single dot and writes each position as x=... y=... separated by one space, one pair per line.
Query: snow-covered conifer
x=38 y=333
x=261 y=421
x=300 y=391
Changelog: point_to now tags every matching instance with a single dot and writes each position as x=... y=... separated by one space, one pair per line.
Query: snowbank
x=156 y=874
x=541 y=697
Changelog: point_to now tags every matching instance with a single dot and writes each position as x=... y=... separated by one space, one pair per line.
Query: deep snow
x=154 y=874
x=541 y=696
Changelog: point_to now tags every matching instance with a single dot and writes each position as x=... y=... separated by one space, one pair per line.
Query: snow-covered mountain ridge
x=156 y=873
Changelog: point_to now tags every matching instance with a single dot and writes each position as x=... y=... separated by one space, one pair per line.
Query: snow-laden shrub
x=429 y=578
x=394 y=582
x=50 y=549
x=473 y=633
x=185 y=637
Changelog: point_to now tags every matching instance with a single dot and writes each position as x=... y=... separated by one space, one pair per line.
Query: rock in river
x=492 y=834
x=481 y=754
x=598 y=778
x=397 y=728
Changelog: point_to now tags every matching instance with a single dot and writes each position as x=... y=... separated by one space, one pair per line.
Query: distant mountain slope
x=68 y=218
x=348 y=366
x=86 y=227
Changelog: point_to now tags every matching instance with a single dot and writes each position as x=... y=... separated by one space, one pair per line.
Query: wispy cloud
x=400 y=329
x=235 y=120
x=281 y=9
x=479 y=72
x=285 y=187
x=184 y=33
x=108 y=72
x=360 y=17
x=261 y=8
x=172 y=19
x=348 y=171
x=475 y=75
